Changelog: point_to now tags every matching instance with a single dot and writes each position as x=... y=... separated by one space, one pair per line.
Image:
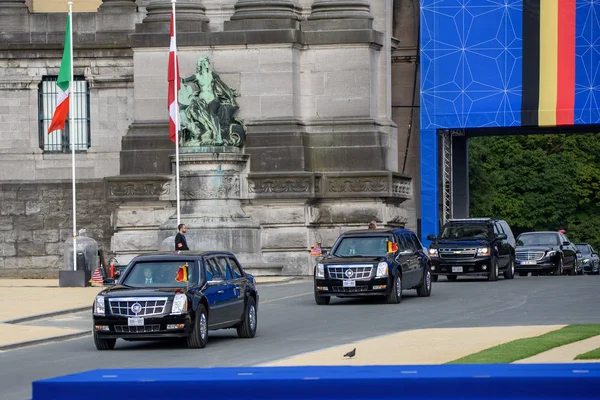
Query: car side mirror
x=109 y=282
x=501 y=236
x=431 y=237
x=324 y=253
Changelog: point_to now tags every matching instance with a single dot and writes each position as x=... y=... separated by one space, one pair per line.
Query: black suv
x=373 y=262
x=473 y=247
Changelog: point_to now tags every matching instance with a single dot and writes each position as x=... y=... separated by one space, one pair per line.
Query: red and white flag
x=173 y=78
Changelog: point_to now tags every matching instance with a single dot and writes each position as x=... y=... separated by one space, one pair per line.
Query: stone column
x=117 y=16
x=14 y=4
x=264 y=15
x=191 y=16
x=117 y=6
x=350 y=14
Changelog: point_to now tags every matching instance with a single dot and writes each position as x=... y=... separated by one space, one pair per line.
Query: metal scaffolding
x=446 y=175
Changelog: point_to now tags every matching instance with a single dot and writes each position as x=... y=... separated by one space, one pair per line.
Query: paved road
x=290 y=323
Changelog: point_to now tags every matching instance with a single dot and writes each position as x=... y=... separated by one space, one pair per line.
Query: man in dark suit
x=180 y=241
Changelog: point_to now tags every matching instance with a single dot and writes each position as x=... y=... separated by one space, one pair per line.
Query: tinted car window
x=159 y=274
x=222 y=261
x=215 y=268
x=369 y=246
x=237 y=271
x=585 y=250
x=465 y=231
x=541 y=239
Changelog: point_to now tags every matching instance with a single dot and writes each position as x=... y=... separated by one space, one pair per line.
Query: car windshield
x=465 y=231
x=584 y=249
x=368 y=246
x=538 y=239
x=160 y=274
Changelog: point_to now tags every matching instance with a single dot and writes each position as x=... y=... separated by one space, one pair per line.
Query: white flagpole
x=72 y=133
x=176 y=83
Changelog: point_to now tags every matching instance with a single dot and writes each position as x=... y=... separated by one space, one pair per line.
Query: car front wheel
x=199 y=335
x=494 y=270
x=395 y=294
x=424 y=290
x=104 y=344
x=321 y=300
x=247 y=329
x=510 y=269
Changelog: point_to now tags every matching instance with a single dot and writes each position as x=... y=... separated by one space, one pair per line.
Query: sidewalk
x=421 y=346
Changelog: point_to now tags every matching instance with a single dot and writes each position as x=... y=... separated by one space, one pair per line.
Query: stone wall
x=36 y=220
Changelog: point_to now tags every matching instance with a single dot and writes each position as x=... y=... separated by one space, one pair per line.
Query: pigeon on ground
x=350 y=353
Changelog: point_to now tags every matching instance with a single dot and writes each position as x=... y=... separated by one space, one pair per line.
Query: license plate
x=528 y=262
x=135 y=321
x=349 y=283
x=457 y=269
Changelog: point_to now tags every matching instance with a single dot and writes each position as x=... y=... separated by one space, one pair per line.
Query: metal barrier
x=486 y=381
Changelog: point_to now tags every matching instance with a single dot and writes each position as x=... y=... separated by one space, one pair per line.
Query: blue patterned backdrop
x=471 y=72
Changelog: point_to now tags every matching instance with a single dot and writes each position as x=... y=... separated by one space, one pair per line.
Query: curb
x=284 y=280
x=46 y=315
x=45 y=340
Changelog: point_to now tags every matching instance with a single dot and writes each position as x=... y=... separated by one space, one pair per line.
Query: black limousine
x=176 y=295
x=374 y=262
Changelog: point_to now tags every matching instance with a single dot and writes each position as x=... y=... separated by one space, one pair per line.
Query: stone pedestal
x=264 y=15
x=80 y=278
x=191 y=17
x=211 y=182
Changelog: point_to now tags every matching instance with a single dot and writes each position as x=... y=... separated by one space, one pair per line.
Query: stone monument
x=212 y=169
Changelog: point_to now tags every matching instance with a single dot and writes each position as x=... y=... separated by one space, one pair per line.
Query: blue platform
x=495 y=381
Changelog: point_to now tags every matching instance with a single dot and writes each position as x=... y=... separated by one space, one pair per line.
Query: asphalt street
x=290 y=323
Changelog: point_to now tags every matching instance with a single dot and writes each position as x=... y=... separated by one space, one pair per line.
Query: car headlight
x=433 y=252
x=179 y=304
x=483 y=251
x=382 y=270
x=320 y=271
x=586 y=260
x=99 y=308
x=551 y=253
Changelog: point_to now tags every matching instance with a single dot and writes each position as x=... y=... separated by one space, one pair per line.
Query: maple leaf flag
x=173 y=78
x=64 y=91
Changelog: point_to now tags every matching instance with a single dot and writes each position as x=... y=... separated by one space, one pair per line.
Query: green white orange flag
x=64 y=79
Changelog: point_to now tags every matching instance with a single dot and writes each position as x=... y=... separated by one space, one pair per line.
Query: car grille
x=350 y=271
x=350 y=289
x=457 y=253
x=136 y=329
x=529 y=255
x=147 y=306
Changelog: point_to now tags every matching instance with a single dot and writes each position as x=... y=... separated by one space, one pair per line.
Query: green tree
x=538 y=182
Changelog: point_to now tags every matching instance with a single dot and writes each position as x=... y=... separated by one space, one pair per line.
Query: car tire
x=395 y=294
x=572 y=271
x=452 y=277
x=434 y=278
x=104 y=344
x=510 y=269
x=247 y=329
x=321 y=300
x=199 y=335
x=493 y=274
x=559 y=267
x=424 y=289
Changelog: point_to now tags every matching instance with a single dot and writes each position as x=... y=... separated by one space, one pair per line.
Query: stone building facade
x=327 y=89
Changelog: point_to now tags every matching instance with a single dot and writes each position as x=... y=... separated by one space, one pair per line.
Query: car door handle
x=219 y=292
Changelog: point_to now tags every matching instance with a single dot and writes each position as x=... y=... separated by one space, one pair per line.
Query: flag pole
x=72 y=133
x=176 y=83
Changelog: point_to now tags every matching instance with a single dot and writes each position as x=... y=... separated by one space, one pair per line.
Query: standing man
x=373 y=225
x=180 y=241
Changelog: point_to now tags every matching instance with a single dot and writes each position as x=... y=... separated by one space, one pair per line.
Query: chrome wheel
x=203 y=326
x=398 y=286
x=252 y=317
x=428 y=281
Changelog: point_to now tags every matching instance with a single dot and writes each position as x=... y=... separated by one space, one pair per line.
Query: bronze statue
x=208 y=108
